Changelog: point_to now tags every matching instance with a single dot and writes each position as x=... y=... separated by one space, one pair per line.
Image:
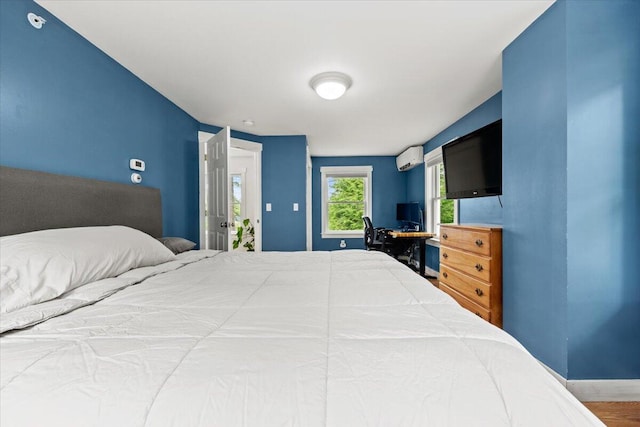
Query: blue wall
x=415 y=184
x=284 y=176
x=483 y=210
x=571 y=102
x=68 y=108
x=234 y=133
x=603 y=181
x=534 y=189
x=389 y=188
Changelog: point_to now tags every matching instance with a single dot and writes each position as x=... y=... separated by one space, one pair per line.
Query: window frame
x=326 y=172
x=432 y=197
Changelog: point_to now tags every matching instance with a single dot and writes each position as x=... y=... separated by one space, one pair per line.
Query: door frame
x=256 y=149
x=309 y=202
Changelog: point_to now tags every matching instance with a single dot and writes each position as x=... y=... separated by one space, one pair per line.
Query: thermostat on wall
x=136 y=165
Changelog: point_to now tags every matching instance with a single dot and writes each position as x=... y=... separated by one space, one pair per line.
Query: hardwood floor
x=616 y=414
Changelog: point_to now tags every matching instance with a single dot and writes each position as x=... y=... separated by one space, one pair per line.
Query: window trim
x=345 y=172
x=431 y=183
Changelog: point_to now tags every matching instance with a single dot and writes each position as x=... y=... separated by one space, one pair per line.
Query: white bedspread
x=348 y=338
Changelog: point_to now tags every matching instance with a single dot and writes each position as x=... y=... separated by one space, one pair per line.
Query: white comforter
x=348 y=338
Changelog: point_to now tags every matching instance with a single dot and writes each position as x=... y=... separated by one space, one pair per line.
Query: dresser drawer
x=466 y=303
x=474 y=265
x=472 y=240
x=474 y=289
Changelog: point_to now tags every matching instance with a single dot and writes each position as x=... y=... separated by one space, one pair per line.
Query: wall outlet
x=343 y=244
x=268 y=207
x=296 y=207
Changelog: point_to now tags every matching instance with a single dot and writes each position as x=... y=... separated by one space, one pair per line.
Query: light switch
x=295 y=207
x=268 y=207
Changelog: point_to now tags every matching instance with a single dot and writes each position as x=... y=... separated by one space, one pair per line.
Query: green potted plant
x=245 y=236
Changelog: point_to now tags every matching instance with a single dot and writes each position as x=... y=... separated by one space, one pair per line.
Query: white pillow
x=42 y=265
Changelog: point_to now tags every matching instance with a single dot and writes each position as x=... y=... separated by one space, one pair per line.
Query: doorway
x=241 y=168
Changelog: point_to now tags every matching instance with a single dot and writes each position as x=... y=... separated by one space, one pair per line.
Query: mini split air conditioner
x=410 y=158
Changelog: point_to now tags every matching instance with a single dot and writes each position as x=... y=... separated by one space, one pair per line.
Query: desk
x=419 y=236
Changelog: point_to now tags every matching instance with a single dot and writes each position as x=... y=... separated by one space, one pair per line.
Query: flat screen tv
x=408 y=212
x=473 y=163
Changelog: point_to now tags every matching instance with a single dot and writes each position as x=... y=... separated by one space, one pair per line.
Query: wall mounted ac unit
x=410 y=158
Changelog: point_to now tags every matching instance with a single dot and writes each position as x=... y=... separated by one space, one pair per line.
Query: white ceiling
x=417 y=66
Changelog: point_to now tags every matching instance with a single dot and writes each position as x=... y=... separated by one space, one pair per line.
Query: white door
x=217 y=190
x=212 y=195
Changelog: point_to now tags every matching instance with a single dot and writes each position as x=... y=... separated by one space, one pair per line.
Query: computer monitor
x=409 y=213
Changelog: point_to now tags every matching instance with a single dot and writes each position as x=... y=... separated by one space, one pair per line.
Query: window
x=237 y=205
x=439 y=209
x=346 y=198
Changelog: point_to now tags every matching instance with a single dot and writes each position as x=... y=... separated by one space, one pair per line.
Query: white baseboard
x=600 y=390
x=562 y=380
x=431 y=272
x=605 y=390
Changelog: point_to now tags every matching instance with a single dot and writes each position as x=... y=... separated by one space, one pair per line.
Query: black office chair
x=376 y=239
x=371 y=239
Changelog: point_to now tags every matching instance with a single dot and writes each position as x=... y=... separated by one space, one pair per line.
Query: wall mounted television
x=473 y=163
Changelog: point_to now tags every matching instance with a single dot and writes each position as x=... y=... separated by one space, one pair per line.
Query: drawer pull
x=479 y=242
x=479 y=267
x=479 y=292
x=445 y=275
x=444 y=236
x=445 y=256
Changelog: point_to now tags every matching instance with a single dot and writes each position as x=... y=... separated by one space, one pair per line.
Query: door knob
x=224 y=224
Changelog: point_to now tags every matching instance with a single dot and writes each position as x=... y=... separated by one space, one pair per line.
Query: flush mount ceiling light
x=330 y=85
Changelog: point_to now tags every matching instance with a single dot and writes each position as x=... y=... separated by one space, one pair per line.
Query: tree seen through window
x=446 y=205
x=346 y=203
x=236 y=184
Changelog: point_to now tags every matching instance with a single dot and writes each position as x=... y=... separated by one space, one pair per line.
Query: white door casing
x=309 y=218
x=255 y=149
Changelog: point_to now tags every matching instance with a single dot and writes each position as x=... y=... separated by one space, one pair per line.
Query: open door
x=217 y=190
x=216 y=213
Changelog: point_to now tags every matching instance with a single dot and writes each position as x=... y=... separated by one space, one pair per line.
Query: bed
x=208 y=338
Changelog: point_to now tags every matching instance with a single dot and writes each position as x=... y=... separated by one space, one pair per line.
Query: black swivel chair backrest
x=369 y=233
x=374 y=238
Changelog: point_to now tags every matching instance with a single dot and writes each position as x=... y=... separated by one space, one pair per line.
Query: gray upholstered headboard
x=31 y=201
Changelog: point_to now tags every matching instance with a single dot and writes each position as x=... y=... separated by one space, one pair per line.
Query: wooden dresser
x=471 y=268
